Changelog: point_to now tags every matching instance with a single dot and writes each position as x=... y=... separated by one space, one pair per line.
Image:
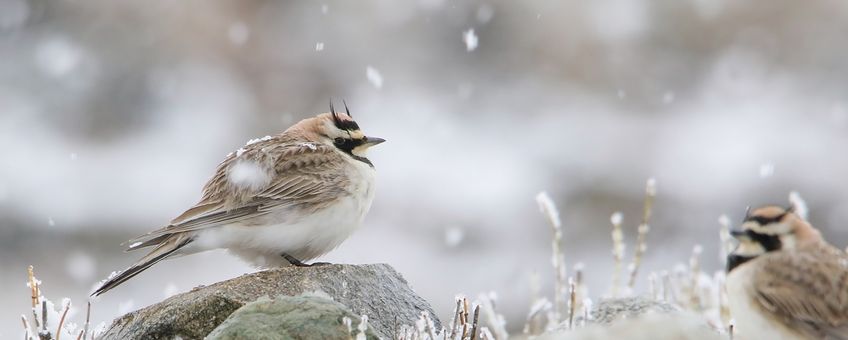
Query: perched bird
x=785 y=281
x=278 y=201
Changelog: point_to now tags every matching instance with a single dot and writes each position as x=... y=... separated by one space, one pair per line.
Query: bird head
x=340 y=130
x=767 y=229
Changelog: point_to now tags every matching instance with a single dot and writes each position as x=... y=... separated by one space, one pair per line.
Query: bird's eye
x=338 y=140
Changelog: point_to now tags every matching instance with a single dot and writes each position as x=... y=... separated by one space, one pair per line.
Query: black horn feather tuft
x=346 y=109
x=336 y=119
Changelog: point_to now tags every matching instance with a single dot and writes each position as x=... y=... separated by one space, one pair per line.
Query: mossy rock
x=288 y=317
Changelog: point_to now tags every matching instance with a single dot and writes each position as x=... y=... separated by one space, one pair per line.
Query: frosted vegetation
x=109 y=132
x=687 y=286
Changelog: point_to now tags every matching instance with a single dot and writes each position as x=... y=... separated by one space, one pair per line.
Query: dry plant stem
x=87 y=320
x=34 y=289
x=723 y=307
x=641 y=246
x=579 y=287
x=44 y=315
x=430 y=326
x=456 y=315
x=62 y=321
x=27 y=336
x=572 y=304
x=475 y=323
x=464 y=318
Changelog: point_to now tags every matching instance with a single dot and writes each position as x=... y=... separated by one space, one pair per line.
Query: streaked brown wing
x=806 y=290
x=306 y=175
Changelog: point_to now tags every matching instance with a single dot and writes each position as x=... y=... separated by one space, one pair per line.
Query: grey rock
x=375 y=290
x=610 y=310
x=647 y=326
x=290 y=317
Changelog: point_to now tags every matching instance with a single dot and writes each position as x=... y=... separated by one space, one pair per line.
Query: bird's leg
x=295 y=262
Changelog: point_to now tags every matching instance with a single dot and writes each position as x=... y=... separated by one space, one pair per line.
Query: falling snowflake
x=319 y=46
x=374 y=77
x=238 y=33
x=668 y=97
x=766 y=170
x=470 y=40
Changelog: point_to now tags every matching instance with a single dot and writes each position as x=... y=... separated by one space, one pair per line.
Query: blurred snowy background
x=114 y=113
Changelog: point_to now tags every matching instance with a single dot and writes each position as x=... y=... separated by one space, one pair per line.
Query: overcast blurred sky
x=113 y=115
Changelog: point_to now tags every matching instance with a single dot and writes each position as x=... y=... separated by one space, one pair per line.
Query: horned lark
x=277 y=201
x=784 y=281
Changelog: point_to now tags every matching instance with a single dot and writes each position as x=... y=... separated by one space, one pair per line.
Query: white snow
x=374 y=77
x=80 y=267
x=799 y=204
x=546 y=205
x=257 y=140
x=616 y=218
x=238 y=33
x=470 y=39
x=240 y=151
x=454 y=236
x=248 y=175
x=58 y=57
x=668 y=97
x=73 y=156
x=325 y=9
x=348 y=322
x=766 y=170
x=363 y=326
x=651 y=187
x=319 y=46
x=51 y=222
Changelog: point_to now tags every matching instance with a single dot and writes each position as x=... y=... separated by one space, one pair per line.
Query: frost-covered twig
x=476 y=322
x=546 y=205
x=87 y=320
x=641 y=242
x=27 y=336
x=67 y=306
x=724 y=238
x=617 y=251
x=694 y=275
x=572 y=302
x=456 y=315
x=44 y=334
x=363 y=326
x=496 y=322
x=33 y=285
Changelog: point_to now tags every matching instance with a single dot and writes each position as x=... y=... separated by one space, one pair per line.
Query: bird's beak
x=371 y=141
x=739 y=234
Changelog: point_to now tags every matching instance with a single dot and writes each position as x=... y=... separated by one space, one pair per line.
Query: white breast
x=750 y=322
x=303 y=236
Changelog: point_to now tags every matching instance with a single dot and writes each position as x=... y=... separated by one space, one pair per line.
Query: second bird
x=277 y=201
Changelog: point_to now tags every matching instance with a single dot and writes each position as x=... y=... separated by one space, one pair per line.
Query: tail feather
x=162 y=251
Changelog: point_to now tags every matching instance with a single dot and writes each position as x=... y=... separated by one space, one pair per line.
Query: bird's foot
x=297 y=263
